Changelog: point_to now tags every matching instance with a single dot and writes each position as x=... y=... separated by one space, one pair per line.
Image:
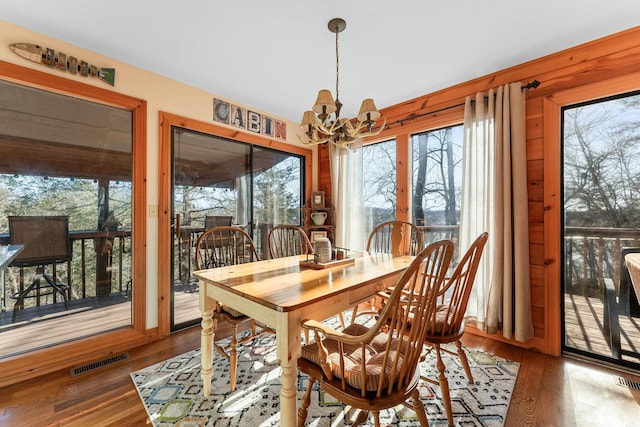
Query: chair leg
x=363 y=416
x=19 y=304
x=341 y=318
x=418 y=408
x=304 y=404
x=56 y=288
x=444 y=385
x=465 y=362
x=233 y=355
x=376 y=418
x=20 y=296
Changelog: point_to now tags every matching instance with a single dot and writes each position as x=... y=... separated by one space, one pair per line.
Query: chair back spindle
x=220 y=246
x=396 y=238
x=288 y=240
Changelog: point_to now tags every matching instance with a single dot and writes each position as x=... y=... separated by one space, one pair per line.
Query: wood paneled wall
x=611 y=57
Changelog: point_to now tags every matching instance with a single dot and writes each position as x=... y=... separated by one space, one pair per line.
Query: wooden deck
x=584 y=328
x=44 y=326
x=39 y=327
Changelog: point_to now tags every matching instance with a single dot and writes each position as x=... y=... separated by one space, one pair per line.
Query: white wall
x=161 y=94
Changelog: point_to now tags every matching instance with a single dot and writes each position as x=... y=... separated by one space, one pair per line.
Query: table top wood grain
x=283 y=285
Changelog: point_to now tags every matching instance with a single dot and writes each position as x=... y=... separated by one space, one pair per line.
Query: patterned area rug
x=172 y=392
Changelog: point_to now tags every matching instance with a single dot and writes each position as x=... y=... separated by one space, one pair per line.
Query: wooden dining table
x=281 y=294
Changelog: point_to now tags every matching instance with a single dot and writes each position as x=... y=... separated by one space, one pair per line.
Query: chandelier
x=323 y=122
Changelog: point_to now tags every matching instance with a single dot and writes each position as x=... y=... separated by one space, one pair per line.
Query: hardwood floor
x=549 y=391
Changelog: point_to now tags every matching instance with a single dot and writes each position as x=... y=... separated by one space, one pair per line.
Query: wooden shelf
x=309 y=225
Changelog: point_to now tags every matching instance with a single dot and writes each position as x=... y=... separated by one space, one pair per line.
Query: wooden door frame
x=166 y=122
x=105 y=344
x=553 y=203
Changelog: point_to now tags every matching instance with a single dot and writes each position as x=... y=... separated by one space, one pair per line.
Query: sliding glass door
x=277 y=193
x=65 y=160
x=219 y=181
x=601 y=161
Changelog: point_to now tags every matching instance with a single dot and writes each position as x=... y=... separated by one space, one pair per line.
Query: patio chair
x=219 y=247
x=377 y=368
x=217 y=221
x=287 y=240
x=446 y=324
x=391 y=237
x=623 y=302
x=46 y=242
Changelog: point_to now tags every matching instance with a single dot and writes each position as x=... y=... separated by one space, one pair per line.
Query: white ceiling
x=274 y=55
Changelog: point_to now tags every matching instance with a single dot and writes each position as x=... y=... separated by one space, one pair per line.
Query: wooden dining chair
x=287 y=240
x=446 y=324
x=396 y=238
x=377 y=368
x=218 y=247
x=392 y=237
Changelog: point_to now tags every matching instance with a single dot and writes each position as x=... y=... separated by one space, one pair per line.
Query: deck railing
x=96 y=268
x=433 y=233
x=592 y=255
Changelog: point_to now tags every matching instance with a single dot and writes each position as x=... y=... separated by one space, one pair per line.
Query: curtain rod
x=531 y=85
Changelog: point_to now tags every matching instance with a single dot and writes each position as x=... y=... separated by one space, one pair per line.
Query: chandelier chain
x=337 y=65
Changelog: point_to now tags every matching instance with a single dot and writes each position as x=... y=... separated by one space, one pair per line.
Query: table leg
x=288 y=348
x=206 y=339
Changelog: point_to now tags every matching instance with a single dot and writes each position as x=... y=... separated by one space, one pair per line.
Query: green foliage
x=277 y=193
x=77 y=198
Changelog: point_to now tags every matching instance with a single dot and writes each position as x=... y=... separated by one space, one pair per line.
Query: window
x=379 y=183
x=437 y=180
x=70 y=157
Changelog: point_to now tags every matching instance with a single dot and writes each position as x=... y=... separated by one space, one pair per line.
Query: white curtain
x=494 y=199
x=346 y=195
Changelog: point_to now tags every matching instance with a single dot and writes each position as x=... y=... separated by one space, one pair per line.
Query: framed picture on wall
x=317 y=235
x=317 y=200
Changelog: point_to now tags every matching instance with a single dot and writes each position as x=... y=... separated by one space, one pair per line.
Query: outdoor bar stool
x=46 y=241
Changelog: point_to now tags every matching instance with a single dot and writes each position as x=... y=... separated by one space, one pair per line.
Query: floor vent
x=79 y=370
x=635 y=385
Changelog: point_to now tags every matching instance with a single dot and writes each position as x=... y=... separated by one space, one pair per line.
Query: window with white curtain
x=379 y=183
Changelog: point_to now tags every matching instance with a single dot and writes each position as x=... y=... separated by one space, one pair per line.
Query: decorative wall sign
x=280 y=130
x=267 y=126
x=60 y=60
x=230 y=114
x=238 y=117
x=253 y=121
x=220 y=111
